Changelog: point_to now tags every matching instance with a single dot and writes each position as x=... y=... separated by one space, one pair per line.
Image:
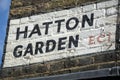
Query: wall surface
x=61 y=34
x=102 y=49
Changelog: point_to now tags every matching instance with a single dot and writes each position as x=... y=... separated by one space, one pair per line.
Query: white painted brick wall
x=105 y=17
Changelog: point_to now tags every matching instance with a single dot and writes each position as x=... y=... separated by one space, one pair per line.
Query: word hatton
x=50 y=45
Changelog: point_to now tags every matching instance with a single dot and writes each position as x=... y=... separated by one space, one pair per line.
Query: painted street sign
x=61 y=34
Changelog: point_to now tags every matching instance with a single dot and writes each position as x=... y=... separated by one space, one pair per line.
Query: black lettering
x=47 y=26
x=68 y=23
x=61 y=43
x=59 y=24
x=35 y=30
x=16 y=51
x=21 y=32
x=39 y=46
x=89 y=21
x=49 y=44
x=29 y=49
x=74 y=41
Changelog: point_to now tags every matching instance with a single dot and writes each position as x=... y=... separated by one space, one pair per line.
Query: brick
x=17 y=71
x=105 y=22
x=7 y=72
x=26 y=11
x=70 y=63
x=9 y=47
x=56 y=66
x=27 y=70
x=24 y=20
x=107 y=4
x=37 y=59
x=111 y=11
x=85 y=61
x=14 y=22
x=12 y=29
x=16 y=3
x=11 y=37
x=90 y=7
x=106 y=57
x=9 y=57
x=99 y=13
x=54 y=56
x=41 y=69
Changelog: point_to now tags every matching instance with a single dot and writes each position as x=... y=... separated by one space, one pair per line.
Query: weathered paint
x=95 y=37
